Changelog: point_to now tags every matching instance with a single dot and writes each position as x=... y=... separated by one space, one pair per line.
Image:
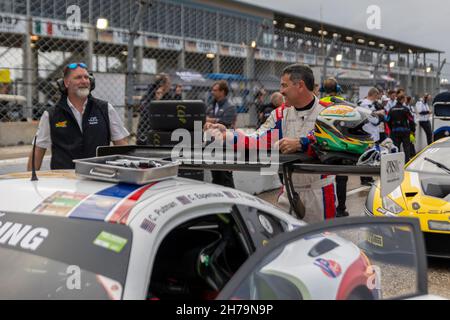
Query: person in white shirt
x=392 y=100
x=410 y=106
x=372 y=126
x=423 y=113
x=383 y=102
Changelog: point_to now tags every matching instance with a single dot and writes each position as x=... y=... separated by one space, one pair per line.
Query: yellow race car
x=424 y=194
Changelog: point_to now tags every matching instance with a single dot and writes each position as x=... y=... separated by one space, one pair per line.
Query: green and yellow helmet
x=339 y=128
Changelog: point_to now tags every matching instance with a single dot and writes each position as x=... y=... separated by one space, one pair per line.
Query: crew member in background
x=158 y=90
x=411 y=108
x=423 y=113
x=392 y=100
x=221 y=112
x=402 y=126
x=276 y=100
x=373 y=126
x=330 y=88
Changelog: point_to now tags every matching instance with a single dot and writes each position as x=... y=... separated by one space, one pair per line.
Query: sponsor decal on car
x=26 y=236
x=123 y=209
x=329 y=267
x=110 y=241
x=112 y=204
x=60 y=203
x=374 y=239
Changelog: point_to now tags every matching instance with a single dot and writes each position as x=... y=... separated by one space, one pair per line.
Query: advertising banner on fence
x=59 y=29
x=12 y=23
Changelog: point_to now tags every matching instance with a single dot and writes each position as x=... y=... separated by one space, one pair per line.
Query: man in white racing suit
x=293 y=122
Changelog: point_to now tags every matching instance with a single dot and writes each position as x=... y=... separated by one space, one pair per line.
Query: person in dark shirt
x=77 y=124
x=178 y=94
x=158 y=90
x=276 y=100
x=221 y=112
x=402 y=125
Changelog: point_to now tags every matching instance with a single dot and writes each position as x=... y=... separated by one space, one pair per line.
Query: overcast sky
x=424 y=23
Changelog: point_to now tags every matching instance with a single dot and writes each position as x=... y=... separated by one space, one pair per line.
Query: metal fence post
x=326 y=58
x=91 y=39
x=28 y=64
x=438 y=74
x=130 y=57
x=379 y=61
x=90 y=47
x=410 y=88
x=416 y=77
x=182 y=58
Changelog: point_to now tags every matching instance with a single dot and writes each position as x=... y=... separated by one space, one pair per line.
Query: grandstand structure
x=196 y=42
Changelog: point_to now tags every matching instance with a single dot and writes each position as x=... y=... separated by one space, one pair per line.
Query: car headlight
x=391 y=206
x=369 y=200
x=439 y=225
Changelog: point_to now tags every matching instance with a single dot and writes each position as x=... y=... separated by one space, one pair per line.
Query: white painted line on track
x=17 y=161
x=357 y=190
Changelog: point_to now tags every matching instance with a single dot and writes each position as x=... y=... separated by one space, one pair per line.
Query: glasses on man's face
x=76 y=65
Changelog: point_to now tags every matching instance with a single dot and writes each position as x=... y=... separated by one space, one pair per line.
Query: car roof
x=62 y=193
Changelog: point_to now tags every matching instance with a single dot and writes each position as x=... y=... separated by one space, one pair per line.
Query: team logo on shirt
x=61 y=124
x=93 y=120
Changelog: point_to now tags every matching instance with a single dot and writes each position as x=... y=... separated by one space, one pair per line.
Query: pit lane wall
x=22 y=133
x=17 y=133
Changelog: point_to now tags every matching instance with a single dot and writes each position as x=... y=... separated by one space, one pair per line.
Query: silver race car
x=67 y=237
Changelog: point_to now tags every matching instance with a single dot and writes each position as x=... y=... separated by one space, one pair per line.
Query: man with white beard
x=77 y=124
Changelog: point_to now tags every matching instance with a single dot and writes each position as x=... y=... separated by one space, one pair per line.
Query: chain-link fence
x=194 y=45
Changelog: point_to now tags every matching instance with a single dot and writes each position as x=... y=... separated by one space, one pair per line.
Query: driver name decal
x=25 y=236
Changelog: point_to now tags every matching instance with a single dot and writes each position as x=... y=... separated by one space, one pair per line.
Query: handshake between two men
x=219 y=131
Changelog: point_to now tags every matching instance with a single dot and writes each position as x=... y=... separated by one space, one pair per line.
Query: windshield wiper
x=438 y=164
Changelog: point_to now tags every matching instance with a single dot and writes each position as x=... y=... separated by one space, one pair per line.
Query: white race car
x=65 y=237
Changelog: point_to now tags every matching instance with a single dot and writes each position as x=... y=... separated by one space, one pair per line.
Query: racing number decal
x=375 y=239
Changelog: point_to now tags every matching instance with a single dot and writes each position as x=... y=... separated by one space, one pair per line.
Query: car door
x=352 y=258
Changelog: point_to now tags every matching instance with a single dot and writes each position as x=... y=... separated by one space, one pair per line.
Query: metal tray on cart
x=96 y=168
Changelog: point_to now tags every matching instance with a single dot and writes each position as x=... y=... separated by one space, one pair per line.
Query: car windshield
x=442 y=110
x=436 y=155
x=43 y=257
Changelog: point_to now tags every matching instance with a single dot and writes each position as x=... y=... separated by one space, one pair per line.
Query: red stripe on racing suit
x=262 y=140
x=329 y=201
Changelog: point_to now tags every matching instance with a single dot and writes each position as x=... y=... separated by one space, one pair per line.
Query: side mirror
x=360 y=258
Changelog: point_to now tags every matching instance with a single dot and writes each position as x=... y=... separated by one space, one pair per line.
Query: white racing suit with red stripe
x=317 y=192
